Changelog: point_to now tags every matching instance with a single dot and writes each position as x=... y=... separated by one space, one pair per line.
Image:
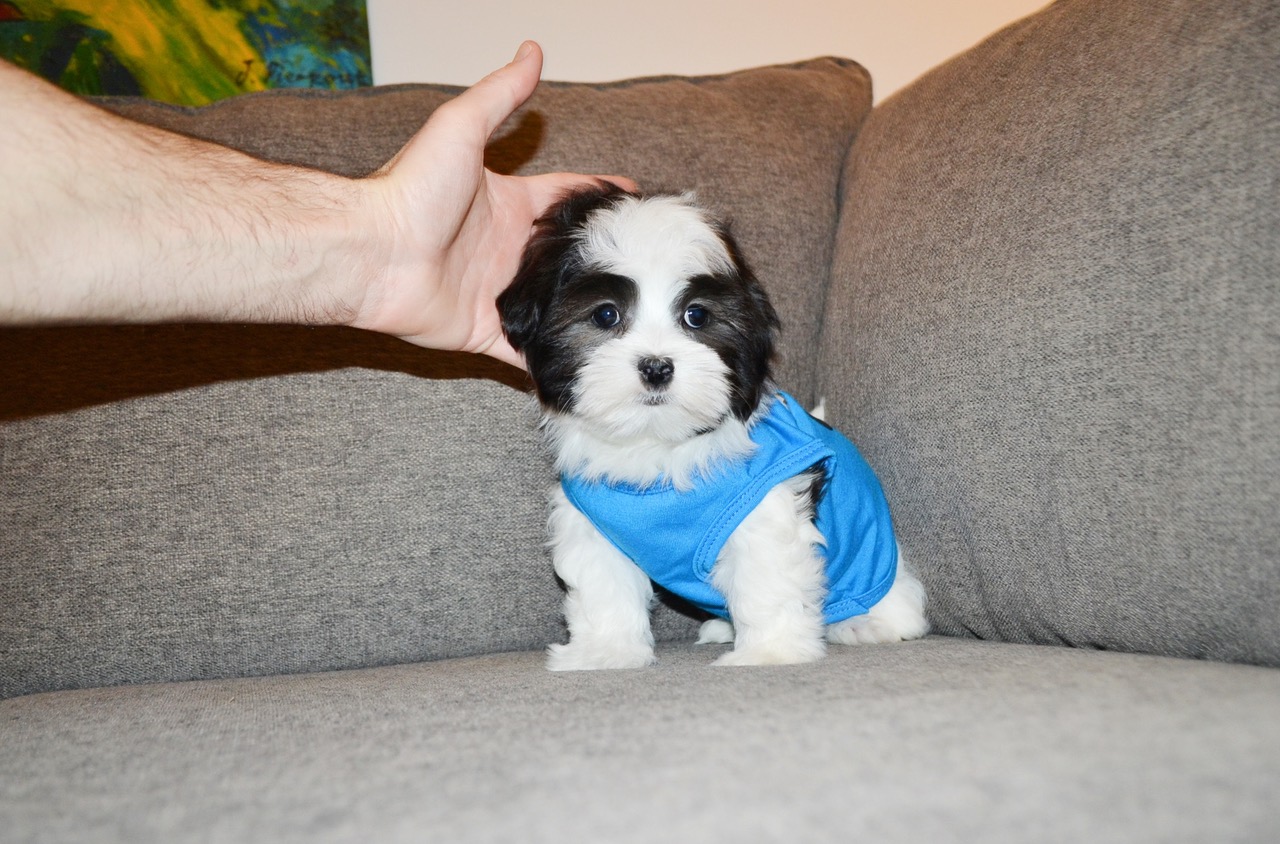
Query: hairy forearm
x=109 y=220
x=102 y=219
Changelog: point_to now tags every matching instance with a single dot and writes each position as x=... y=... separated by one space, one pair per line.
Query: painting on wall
x=189 y=52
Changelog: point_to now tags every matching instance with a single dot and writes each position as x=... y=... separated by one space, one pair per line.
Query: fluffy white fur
x=622 y=429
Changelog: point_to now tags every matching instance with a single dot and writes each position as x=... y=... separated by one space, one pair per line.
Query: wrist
x=321 y=250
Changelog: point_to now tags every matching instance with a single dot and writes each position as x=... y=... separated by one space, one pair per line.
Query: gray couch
x=280 y=584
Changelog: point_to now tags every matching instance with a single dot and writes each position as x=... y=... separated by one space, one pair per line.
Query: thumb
x=492 y=100
x=466 y=121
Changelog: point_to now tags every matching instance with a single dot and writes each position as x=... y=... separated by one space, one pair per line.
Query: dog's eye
x=606 y=316
x=696 y=316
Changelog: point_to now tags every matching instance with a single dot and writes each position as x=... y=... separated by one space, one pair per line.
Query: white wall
x=459 y=41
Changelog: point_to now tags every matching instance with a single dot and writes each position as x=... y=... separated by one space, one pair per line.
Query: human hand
x=453 y=231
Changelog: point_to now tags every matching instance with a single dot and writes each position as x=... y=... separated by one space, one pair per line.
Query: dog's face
x=639 y=317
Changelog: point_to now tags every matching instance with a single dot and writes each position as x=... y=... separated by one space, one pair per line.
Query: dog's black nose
x=657 y=372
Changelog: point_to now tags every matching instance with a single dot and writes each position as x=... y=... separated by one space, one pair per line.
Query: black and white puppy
x=650 y=344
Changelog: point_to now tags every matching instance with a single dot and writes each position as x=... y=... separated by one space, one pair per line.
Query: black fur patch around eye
x=551 y=257
x=546 y=310
x=742 y=327
x=569 y=335
x=583 y=293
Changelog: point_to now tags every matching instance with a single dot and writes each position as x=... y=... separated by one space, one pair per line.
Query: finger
x=501 y=350
x=475 y=114
x=623 y=182
x=548 y=188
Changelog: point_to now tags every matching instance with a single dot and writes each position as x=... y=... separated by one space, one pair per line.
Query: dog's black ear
x=525 y=300
x=549 y=257
x=760 y=335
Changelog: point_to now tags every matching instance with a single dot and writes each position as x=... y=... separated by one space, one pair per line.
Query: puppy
x=650 y=344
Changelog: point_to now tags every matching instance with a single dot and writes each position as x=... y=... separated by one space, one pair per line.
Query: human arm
x=103 y=219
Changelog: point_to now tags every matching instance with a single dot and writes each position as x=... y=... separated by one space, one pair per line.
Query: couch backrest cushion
x=1055 y=327
x=197 y=501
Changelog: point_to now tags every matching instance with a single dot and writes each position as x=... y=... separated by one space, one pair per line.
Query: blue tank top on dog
x=675 y=537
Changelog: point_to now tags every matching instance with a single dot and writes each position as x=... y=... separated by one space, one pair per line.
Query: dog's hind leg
x=896 y=617
x=715 y=631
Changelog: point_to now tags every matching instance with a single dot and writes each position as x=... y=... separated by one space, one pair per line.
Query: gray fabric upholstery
x=298 y=523
x=941 y=740
x=1053 y=328
x=185 y=502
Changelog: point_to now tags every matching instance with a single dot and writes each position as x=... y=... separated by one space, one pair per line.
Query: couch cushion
x=1055 y=327
x=938 y=740
x=200 y=501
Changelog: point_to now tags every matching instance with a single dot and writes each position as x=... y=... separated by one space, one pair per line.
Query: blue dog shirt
x=675 y=537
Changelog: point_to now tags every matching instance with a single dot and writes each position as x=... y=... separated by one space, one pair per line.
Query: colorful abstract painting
x=189 y=52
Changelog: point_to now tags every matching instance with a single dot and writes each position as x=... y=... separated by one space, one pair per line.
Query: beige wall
x=596 y=40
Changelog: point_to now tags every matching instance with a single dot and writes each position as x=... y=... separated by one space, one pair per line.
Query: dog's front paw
x=579 y=657
x=776 y=653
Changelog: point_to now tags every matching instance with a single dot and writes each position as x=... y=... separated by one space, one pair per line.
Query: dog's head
x=639 y=317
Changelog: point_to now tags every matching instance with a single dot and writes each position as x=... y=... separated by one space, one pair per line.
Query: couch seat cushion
x=937 y=740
